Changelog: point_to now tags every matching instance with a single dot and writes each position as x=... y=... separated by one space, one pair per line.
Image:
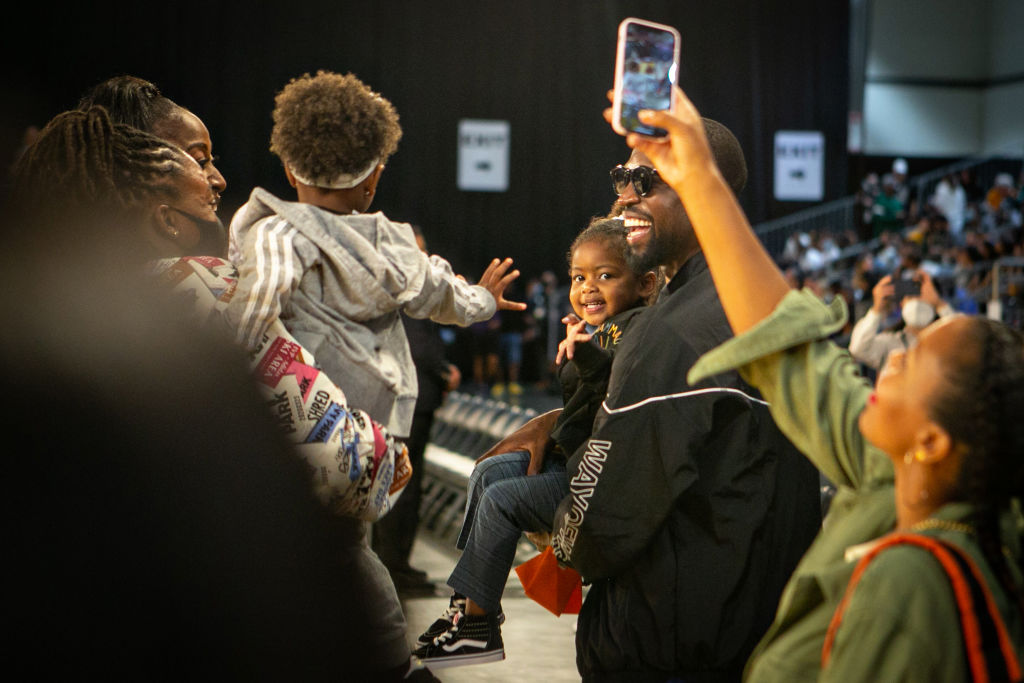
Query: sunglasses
x=641 y=177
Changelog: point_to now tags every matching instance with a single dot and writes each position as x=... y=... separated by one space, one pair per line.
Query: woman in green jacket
x=934 y=450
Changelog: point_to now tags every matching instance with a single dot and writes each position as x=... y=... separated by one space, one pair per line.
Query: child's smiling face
x=602 y=285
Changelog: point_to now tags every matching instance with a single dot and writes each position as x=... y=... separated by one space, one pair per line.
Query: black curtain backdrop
x=758 y=66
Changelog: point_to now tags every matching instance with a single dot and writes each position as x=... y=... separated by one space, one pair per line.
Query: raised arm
x=750 y=287
x=749 y=283
x=865 y=344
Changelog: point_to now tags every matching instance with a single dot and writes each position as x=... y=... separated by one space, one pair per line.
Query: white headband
x=342 y=181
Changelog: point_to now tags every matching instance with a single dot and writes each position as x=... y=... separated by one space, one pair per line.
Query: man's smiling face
x=659 y=229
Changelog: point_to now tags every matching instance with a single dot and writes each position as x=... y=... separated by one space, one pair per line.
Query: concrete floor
x=538 y=645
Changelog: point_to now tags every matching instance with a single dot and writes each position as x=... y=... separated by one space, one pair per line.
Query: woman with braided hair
x=138 y=103
x=138 y=215
x=916 y=573
x=104 y=175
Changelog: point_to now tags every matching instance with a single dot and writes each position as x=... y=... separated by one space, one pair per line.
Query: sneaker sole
x=463 y=660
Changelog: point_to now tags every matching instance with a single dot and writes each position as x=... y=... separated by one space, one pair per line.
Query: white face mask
x=916 y=313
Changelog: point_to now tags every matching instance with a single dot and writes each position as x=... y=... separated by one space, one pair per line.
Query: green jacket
x=901 y=623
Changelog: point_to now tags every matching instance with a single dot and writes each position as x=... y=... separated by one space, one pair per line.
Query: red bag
x=557 y=589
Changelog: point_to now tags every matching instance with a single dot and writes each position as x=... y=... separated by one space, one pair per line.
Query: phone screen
x=902 y=288
x=647 y=70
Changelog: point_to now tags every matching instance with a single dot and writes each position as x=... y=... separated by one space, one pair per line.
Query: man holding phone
x=688 y=508
x=919 y=304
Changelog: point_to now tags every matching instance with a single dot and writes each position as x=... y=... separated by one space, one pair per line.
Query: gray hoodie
x=338 y=283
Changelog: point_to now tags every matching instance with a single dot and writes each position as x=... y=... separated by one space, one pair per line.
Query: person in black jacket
x=688 y=508
x=504 y=500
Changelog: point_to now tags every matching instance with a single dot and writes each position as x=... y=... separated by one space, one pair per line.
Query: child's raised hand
x=575 y=333
x=496 y=280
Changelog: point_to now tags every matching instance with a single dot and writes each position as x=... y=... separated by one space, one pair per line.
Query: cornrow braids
x=73 y=154
x=130 y=100
x=148 y=166
x=83 y=164
x=981 y=409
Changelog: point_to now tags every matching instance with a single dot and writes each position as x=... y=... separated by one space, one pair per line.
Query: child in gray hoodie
x=338 y=278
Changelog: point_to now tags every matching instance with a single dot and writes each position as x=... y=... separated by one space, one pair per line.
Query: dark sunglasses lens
x=642 y=180
x=641 y=177
x=620 y=179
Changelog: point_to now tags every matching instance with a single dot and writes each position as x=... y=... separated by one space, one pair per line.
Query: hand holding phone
x=646 y=68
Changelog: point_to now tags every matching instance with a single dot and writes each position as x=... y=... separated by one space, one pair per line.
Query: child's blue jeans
x=502 y=502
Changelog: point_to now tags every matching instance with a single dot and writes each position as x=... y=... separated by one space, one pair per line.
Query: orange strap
x=944 y=553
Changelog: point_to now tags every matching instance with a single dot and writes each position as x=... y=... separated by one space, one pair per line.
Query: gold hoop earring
x=911 y=456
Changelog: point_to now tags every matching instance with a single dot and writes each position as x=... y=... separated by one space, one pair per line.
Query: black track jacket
x=688 y=508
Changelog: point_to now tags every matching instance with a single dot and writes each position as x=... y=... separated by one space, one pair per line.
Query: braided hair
x=130 y=100
x=981 y=408
x=84 y=167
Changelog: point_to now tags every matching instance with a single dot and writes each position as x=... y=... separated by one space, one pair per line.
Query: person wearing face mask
x=194 y=492
x=870 y=345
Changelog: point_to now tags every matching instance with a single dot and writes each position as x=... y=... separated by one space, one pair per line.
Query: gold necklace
x=945 y=525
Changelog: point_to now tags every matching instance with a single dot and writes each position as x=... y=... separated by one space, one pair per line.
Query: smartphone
x=902 y=288
x=646 y=68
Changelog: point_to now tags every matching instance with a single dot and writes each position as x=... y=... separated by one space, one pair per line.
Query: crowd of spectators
x=956 y=235
x=162 y=540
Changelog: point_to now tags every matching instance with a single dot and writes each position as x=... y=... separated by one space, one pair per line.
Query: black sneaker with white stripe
x=469 y=640
x=456 y=604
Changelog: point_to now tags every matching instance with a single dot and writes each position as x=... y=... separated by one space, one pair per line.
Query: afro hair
x=330 y=124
